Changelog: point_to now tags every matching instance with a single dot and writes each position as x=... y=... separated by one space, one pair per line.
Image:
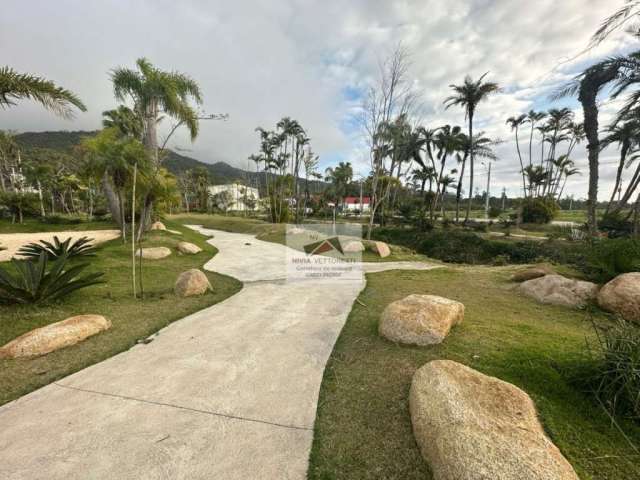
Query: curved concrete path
x=229 y=392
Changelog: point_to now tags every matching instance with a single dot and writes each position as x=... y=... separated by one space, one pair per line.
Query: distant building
x=352 y=204
x=235 y=196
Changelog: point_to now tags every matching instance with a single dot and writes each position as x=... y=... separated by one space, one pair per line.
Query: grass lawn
x=363 y=427
x=276 y=233
x=132 y=319
x=34 y=225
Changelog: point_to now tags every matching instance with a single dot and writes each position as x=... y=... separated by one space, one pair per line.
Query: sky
x=258 y=61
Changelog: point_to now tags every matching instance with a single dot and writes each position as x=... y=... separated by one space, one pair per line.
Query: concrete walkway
x=229 y=392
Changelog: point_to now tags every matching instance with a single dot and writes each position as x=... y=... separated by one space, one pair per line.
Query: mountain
x=176 y=163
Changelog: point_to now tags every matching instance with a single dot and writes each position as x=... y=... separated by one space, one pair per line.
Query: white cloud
x=259 y=61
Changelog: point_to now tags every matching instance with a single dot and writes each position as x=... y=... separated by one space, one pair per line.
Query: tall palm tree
x=156 y=92
x=515 y=123
x=468 y=96
x=587 y=86
x=533 y=117
x=17 y=86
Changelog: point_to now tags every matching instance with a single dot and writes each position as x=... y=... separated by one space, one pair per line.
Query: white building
x=234 y=196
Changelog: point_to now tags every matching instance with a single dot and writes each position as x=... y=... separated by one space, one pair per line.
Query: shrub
x=614 y=372
x=539 y=210
x=61 y=220
x=616 y=225
x=494 y=212
x=607 y=258
x=33 y=284
x=81 y=247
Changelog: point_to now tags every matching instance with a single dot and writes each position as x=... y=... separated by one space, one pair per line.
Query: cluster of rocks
x=158 y=253
x=620 y=296
x=467 y=424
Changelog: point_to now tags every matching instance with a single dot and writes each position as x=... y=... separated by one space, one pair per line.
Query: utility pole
x=486 y=205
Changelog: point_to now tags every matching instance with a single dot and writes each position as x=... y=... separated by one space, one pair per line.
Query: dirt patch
x=13 y=241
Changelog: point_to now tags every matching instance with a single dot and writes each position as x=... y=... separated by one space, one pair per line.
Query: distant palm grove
x=419 y=173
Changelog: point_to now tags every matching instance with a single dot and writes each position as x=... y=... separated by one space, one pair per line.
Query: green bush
x=539 y=210
x=33 y=284
x=613 y=372
x=616 y=225
x=494 y=212
x=607 y=258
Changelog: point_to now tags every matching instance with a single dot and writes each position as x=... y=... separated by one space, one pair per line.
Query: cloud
x=259 y=61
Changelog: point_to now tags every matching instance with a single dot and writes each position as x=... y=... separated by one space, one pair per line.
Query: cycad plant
x=57 y=249
x=32 y=283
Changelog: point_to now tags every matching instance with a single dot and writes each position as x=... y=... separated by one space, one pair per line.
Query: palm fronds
x=57 y=249
x=33 y=284
x=15 y=86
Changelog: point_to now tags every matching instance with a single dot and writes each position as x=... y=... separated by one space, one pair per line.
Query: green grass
x=132 y=319
x=276 y=233
x=363 y=428
x=35 y=225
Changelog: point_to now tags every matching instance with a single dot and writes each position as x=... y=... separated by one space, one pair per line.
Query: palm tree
x=468 y=96
x=627 y=136
x=155 y=92
x=482 y=147
x=515 y=123
x=17 y=86
x=340 y=177
x=533 y=117
x=127 y=121
x=587 y=86
x=619 y=18
x=448 y=140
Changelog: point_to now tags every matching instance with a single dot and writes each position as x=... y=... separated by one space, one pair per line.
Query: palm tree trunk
x=133 y=229
x=623 y=154
x=459 y=187
x=524 y=183
x=466 y=218
x=42 y=212
x=112 y=200
x=590 y=109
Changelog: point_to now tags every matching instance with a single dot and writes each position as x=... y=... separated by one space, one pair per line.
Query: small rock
x=192 y=282
x=420 y=319
x=558 y=290
x=158 y=226
x=475 y=427
x=175 y=232
x=154 y=253
x=353 y=246
x=55 y=336
x=622 y=296
x=532 y=272
x=188 y=248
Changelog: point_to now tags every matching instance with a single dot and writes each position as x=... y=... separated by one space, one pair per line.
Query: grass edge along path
x=363 y=428
x=132 y=320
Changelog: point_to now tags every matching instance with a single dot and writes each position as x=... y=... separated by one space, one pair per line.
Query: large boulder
x=158 y=226
x=420 y=319
x=154 y=253
x=381 y=248
x=55 y=336
x=192 y=282
x=558 y=290
x=188 y=248
x=530 y=273
x=474 y=427
x=353 y=246
x=622 y=296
